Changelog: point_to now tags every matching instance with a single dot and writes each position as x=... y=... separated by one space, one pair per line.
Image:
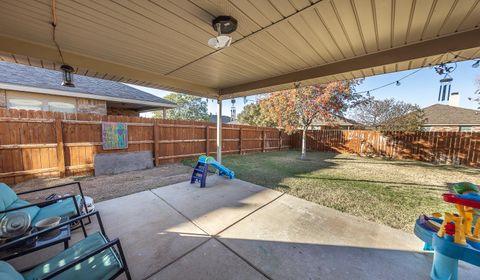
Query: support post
x=156 y=150
x=207 y=140
x=60 y=151
x=164 y=113
x=219 y=131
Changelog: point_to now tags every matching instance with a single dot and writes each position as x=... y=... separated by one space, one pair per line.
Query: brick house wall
x=452 y=129
x=122 y=112
x=91 y=106
x=3 y=98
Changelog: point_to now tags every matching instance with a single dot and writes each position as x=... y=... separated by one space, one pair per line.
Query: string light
x=476 y=64
x=397 y=82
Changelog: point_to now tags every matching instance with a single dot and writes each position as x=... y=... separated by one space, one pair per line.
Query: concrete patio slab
x=211 y=261
x=152 y=233
x=219 y=205
x=261 y=234
x=295 y=239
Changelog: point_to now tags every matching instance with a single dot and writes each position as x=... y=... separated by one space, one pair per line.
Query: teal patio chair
x=67 y=206
x=94 y=258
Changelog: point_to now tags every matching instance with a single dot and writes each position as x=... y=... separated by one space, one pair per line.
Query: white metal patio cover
x=162 y=43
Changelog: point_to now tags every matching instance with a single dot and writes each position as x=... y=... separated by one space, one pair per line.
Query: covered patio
x=234 y=230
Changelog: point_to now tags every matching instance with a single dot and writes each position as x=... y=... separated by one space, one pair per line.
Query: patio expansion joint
x=242 y=258
x=179 y=212
x=179 y=257
x=215 y=237
x=249 y=214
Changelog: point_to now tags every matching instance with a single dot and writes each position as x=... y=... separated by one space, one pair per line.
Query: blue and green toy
x=456 y=236
x=200 y=171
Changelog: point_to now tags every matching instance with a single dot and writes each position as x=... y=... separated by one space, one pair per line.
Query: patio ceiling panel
x=162 y=43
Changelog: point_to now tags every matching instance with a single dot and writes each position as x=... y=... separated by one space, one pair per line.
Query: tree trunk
x=303 y=156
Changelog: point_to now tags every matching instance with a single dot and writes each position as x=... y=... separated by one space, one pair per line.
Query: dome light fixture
x=224 y=25
x=67 y=72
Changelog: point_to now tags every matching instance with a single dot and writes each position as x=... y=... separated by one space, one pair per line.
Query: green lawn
x=389 y=192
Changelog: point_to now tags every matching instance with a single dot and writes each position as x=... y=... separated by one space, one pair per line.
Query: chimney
x=454 y=99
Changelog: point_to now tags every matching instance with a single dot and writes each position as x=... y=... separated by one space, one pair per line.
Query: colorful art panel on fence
x=114 y=136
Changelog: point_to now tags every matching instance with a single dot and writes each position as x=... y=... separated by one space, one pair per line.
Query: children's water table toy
x=201 y=170
x=454 y=237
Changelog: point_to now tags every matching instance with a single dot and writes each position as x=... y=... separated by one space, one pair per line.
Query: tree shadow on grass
x=463 y=169
x=390 y=184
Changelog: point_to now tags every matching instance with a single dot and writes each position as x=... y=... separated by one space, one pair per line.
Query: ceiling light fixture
x=224 y=25
x=67 y=70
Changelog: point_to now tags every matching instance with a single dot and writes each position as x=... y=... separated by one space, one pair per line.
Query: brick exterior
x=91 y=106
x=451 y=129
x=122 y=112
x=3 y=99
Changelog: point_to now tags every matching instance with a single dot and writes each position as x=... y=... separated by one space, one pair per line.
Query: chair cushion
x=7 y=196
x=101 y=266
x=32 y=211
x=7 y=272
x=61 y=208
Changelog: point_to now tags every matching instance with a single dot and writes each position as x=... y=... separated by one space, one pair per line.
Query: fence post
x=263 y=140
x=60 y=151
x=240 y=139
x=207 y=139
x=280 y=140
x=156 y=150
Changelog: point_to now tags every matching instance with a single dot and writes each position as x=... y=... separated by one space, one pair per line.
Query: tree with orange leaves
x=299 y=107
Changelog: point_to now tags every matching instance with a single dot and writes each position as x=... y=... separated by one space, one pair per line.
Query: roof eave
x=16 y=87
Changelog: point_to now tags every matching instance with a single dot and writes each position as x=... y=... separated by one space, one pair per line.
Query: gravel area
x=110 y=186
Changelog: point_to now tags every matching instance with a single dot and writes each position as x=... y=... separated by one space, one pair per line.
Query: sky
x=420 y=88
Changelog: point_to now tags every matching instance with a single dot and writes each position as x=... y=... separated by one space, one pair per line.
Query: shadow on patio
x=236 y=230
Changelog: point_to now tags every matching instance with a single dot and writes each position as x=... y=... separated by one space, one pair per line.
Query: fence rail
x=458 y=148
x=44 y=144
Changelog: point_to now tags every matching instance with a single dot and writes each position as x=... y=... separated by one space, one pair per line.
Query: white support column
x=219 y=130
x=164 y=113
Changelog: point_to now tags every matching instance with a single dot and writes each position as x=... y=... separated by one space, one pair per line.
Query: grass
x=394 y=193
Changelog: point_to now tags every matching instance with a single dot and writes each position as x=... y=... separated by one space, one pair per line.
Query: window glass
x=61 y=107
x=25 y=104
x=465 y=128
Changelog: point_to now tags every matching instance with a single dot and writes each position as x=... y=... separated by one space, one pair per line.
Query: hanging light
x=397 y=83
x=476 y=64
x=444 y=90
x=67 y=71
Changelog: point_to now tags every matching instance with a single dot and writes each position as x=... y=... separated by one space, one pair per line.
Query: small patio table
x=10 y=251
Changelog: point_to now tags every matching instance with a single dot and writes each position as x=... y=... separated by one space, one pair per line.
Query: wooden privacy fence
x=43 y=144
x=459 y=148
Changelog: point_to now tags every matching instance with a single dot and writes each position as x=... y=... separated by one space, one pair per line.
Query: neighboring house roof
x=440 y=114
x=225 y=119
x=336 y=120
x=26 y=78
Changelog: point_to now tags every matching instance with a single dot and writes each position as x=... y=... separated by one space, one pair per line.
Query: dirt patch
x=110 y=186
